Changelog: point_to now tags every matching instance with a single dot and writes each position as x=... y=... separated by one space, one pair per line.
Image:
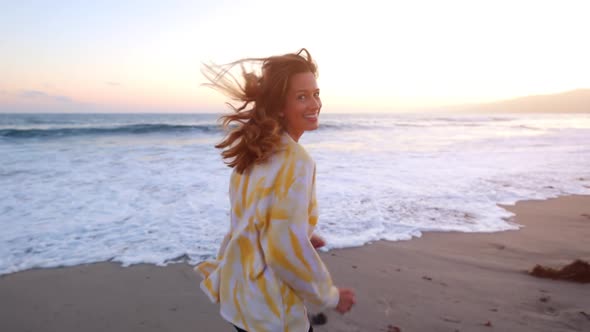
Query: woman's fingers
x=317 y=241
x=347 y=299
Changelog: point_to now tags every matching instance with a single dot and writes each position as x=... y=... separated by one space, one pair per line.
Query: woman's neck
x=294 y=136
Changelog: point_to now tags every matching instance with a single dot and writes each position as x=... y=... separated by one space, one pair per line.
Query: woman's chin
x=313 y=127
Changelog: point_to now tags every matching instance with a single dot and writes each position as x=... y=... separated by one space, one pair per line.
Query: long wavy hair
x=255 y=126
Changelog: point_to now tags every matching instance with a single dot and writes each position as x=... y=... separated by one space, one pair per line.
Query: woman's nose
x=316 y=103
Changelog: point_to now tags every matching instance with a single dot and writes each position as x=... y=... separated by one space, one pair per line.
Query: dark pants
x=240 y=330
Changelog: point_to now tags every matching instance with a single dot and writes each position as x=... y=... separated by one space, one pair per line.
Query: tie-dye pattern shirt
x=266 y=267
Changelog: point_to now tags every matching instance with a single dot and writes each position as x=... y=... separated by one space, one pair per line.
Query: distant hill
x=576 y=101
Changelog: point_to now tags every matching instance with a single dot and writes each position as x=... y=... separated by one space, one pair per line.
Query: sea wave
x=207 y=128
x=106 y=130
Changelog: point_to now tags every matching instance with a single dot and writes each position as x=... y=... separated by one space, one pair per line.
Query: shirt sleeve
x=221 y=251
x=287 y=249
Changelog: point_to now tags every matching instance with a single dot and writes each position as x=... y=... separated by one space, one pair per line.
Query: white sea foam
x=161 y=197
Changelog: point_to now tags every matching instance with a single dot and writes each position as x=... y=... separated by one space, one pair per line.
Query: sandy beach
x=440 y=282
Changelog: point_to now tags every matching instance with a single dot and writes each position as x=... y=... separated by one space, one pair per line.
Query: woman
x=267 y=268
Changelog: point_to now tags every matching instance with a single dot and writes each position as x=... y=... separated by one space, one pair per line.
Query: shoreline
x=442 y=281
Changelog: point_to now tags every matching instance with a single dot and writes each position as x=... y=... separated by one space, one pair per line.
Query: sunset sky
x=145 y=56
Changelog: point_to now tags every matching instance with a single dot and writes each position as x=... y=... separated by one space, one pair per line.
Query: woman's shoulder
x=294 y=150
x=288 y=155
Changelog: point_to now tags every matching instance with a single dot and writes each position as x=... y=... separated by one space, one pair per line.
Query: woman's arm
x=224 y=242
x=287 y=247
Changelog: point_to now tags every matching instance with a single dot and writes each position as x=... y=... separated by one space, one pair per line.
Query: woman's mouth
x=311 y=117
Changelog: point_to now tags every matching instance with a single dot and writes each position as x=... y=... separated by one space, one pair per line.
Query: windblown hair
x=256 y=125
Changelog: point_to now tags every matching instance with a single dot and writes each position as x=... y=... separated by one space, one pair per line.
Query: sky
x=378 y=56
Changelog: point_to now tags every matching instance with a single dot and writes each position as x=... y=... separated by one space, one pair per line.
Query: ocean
x=151 y=188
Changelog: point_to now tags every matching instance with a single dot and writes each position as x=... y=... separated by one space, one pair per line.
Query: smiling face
x=302 y=105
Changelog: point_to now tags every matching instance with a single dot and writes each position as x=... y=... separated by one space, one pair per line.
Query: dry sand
x=441 y=282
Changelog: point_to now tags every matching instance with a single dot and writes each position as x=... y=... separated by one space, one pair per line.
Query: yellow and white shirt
x=266 y=267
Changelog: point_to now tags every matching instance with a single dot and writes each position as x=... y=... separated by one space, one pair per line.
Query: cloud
x=39 y=101
x=63 y=99
x=112 y=83
x=41 y=95
x=32 y=94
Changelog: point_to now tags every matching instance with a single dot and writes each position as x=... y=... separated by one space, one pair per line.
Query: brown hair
x=258 y=126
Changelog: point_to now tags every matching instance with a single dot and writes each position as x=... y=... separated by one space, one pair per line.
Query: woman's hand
x=347 y=299
x=317 y=241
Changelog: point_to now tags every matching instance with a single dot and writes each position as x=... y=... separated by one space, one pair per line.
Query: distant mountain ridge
x=575 y=101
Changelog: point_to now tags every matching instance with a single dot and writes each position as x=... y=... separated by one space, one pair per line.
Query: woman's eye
x=317 y=94
x=301 y=97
